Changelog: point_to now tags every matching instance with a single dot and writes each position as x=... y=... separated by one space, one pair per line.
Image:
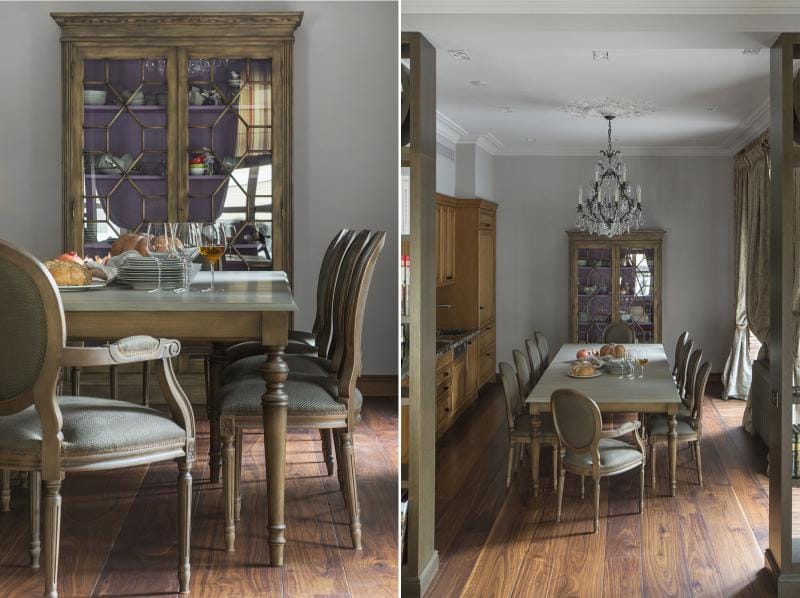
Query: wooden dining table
x=656 y=392
x=252 y=306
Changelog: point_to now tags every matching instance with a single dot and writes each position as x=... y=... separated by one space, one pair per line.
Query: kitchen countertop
x=447 y=340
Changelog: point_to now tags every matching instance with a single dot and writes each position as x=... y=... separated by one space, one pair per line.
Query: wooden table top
x=653 y=393
x=244 y=291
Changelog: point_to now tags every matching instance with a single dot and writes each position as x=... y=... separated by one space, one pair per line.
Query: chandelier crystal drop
x=612 y=208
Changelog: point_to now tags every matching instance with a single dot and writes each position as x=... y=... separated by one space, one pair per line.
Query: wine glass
x=212 y=247
x=631 y=357
x=642 y=360
x=160 y=245
x=187 y=246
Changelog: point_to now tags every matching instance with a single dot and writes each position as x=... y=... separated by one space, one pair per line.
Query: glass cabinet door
x=229 y=154
x=637 y=291
x=594 y=292
x=124 y=146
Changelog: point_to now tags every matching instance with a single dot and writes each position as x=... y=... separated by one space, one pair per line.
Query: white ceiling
x=535 y=71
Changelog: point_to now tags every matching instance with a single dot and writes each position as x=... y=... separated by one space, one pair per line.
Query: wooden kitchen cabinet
x=445 y=240
x=486 y=287
x=471 y=370
x=460 y=383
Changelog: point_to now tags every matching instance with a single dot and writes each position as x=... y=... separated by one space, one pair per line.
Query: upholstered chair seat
x=298 y=364
x=658 y=427
x=93 y=426
x=615 y=455
x=308 y=395
x=522 y=427
x=301 y=336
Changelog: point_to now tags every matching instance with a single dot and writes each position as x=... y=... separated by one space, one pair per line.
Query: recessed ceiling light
x=600 y=54
x=692 y=140
x=530 y=140
x=711 y=108
x=505 y=109
x=479 y=83
x=751 y=50
x=459 y=54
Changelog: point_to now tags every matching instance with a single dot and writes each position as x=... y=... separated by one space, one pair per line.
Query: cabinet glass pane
x=636 y=291
x=230 y=153
x=594 y=293
x=124 y=148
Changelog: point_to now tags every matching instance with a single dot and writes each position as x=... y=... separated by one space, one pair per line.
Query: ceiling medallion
x=611 y=208
x=622 y=107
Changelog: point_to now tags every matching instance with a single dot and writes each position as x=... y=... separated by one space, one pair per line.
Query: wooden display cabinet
x=612 y=280
x=179 y=117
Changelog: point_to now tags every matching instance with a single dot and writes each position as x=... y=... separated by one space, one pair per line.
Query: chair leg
x=146 y=383
x=652 y=464
x=555 y=467
x=52 y=535
x=237 y=511
x=641 y=488
x=113 y=381
x=337 y=447
x=5 y=490
x=207 y=379
x=326 y=435
x=699 y=462
x=561 y=473
x=596 y=504
x=351 y=489
x=510 y=464
x=229 y=487
x=583 y=487
x=184 y=523
x=75 y=378
x=35 y=489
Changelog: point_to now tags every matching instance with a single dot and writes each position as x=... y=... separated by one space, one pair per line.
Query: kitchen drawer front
x=444 y=411
x=487 y=366
x=487 y=337
x=486 y=220
x=444 y=375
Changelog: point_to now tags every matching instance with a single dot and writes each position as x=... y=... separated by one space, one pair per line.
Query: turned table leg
x=217 y=362
x=536 y=433
x=673 y=452
x=275 y=402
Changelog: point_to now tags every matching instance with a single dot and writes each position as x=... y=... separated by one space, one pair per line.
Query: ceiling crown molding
x=632 y=7
x=448 y=132
x=749 y=129
x=580 y=150
x=486 y=141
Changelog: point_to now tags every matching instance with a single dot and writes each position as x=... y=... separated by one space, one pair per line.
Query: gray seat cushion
x=301 y=336
x=93 y=427
x=522 y=427
x=614 y=454
x=298 y=364
x=659 y=426
x=308 y=395
x=300 y=348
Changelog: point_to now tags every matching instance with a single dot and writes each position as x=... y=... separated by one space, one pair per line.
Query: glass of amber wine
x=642 y=361
x=212 y=247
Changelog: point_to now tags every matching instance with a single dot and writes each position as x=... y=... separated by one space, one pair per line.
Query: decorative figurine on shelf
x=197 y=165
x=625 y=289
x=211 y=97
x=228 y=164
x=196 y=97
x=209 y=163
x=235 y=80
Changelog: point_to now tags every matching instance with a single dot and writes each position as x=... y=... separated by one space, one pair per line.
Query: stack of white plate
x=614 y=366
x=142 y=273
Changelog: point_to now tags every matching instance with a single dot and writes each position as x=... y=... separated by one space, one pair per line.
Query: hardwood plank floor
x=706 y=541
x=119 y=529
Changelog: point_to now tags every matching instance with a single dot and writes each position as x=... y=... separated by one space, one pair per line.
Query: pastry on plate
x=68 y=273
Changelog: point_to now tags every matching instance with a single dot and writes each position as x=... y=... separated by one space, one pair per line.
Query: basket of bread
x=584 y=369
x=71 y=272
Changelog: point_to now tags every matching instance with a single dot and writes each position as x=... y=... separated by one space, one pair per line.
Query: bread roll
x=618 y=351
x=68 y=274
x=606 y=350
x=130 y=241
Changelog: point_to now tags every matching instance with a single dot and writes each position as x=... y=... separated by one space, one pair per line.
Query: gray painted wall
x=445 y=174
x=689 y=197
x=345 y=136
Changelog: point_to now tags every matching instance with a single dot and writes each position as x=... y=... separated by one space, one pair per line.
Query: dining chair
x=689 y=430
x=688 y=399
x=519 y=424
x=49 y=435
x=586 y=449
x=326 y=402
x=524 y=376
x=534 y=358
x=683 y=363
x=544 y=349
x=618 y=332
x=679 y=347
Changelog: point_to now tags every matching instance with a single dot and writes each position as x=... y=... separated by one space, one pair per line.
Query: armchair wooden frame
x=52 y=462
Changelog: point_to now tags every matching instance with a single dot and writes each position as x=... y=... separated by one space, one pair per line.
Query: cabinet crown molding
x=85 y=25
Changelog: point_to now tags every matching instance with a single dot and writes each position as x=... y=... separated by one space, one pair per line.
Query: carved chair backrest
x=325 y=278
x=578 y=422
x=34 y=335
x=679 y=346
x=683 y=362
x=356 y=305
x=523 y=374
x=510 y=391
x=325 y=312
x=544 y=349
x=618 y=332
x=691 y=376
x=700 y=382
x=534 y=359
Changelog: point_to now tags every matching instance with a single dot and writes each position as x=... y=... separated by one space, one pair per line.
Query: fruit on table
x=583 y=354
x=70 y=256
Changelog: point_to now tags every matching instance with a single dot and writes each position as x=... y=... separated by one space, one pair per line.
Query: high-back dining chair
x=534 y=358
x=679 y=348
x=618 y=332
x=688 y=429
x=692 y=366
x=586 y=449
x=544 y=348
x=325 y=402
x=524 y=376
x=519 y=424
x=683 y=363
x=49 y=436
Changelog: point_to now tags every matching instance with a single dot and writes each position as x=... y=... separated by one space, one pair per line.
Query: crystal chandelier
x=611 y=210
